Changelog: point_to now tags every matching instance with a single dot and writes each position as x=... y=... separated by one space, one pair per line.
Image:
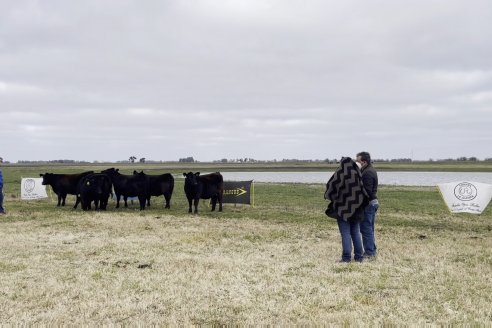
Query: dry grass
x=251 y=266
x=112 y=268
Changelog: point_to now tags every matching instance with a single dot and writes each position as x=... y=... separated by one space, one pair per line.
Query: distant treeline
x=55 y=161
x=335 y=161
x=252 y=160
x=409 y=160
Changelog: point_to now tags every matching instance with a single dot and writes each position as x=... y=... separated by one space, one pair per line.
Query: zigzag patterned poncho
x=345 y=190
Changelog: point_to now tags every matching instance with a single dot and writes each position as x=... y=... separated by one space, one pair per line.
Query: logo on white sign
x=29 y=185
x=465 y=191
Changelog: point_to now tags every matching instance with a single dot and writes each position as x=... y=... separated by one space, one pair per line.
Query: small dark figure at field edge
x=162 y=184
x=63 y=184
x=208 y=186
x=136 y=185
x=94 y=188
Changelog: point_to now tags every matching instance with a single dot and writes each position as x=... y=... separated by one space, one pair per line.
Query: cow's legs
x=219 y=197
x=196 y=204
x=148 y=201
x=167 y=197
x=64 y=197
x=142 y=200
x=126 y=199
x=118 y=196
x=86 y=203
x=189 y=205
x=104 y=203
x=214 y=202
x=77 y=201
x=59 y=199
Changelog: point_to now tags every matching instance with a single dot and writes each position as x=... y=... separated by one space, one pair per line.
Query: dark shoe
x=343 y=261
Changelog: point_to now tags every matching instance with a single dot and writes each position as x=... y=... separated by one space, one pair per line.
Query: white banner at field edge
x=466 y=196
x=32 y=188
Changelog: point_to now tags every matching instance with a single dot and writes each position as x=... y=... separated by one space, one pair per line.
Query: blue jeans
x=367 y=230
x=1 y=202
x=350 y=233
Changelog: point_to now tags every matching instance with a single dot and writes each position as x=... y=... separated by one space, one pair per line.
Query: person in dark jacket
x=348 y=200
x=370 y=182
x=2 y=210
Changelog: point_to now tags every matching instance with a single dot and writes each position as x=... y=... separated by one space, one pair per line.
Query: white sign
x=466 y=197
x=32 y=188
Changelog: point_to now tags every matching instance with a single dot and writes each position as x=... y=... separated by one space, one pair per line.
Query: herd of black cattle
x=90 y=187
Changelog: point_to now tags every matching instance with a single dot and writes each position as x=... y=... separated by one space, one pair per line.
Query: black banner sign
x=238 y=192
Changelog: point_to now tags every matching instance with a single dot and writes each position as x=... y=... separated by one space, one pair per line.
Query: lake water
x=385 y=178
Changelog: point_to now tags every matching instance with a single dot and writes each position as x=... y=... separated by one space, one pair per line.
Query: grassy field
x=272 y=264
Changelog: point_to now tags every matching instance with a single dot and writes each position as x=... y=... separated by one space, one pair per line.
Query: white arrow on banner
x=466 y=196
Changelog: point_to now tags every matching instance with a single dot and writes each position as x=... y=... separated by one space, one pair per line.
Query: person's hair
x=365 y=156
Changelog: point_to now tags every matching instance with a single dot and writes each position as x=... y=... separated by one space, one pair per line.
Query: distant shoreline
x=174 y=167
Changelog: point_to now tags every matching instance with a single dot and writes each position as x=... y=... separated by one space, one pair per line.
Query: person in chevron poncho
x=348 y=199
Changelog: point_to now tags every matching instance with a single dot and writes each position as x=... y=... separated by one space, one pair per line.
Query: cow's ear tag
x=88 y=183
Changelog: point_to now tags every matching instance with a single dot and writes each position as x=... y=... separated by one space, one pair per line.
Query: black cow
x=94 y=188
x=204 y=186
x=162 y=184
x=129 y=186
x=63 y=184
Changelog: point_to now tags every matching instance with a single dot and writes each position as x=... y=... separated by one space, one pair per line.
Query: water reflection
x=385 y=178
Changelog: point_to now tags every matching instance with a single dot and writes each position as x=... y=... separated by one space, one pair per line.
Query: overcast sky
x=265 y=79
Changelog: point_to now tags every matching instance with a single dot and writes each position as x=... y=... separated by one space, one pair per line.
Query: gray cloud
x=102 y=80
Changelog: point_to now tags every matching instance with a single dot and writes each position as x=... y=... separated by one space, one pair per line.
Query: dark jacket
x=370 y=181
x=1 y=179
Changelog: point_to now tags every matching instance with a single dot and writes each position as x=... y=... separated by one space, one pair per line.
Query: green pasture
x=297 y=201
x=273 y=264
